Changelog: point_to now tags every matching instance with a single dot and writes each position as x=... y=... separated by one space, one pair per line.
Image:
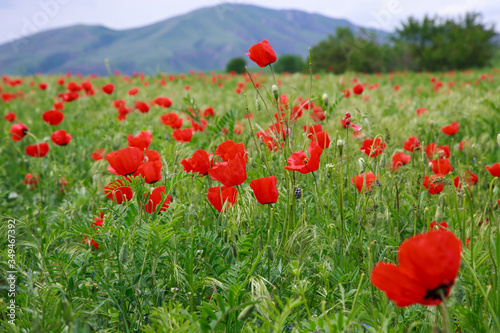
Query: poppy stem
x=446 y=315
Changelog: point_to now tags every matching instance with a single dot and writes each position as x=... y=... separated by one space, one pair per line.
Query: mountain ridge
x=204 y=39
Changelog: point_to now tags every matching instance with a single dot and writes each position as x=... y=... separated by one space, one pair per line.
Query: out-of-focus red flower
x=10 y=117
x=494 y=169
x=220 y=195
x=87 y=86
x=230 y=173
x=265 y=190
x=38 y=150
x=209 y=112
x=58 y=106
x=411 y=144
x=462 y=143
x=150 y=171
x=164 y=102
x=346 y=93
x=141 y=140
x=365 y=178
x=155 y=198
x=108 y=88
x=450 y=129
x=317 y=113
x=73 y=87
x=30 y=180
x=441 y=226
x=441 y=166
x=434 y=183
x=63 y=183
x=316 y=128
x=229 y=150
x=268 y=140
x=428 y=266
x=42 y=86
x=373 y=147
x=346 y=121
x=322 y=139
x=18 y=131
x=298 y=161
x=133 y=91
x=398 y=160
x=98 y=154
x=53 y=117
x=183 y=135
x=199 y=127
x=421 y=111
x=125 y=161
x=199 y=162
x=357 y=89
x=434 y=151
x=172 y=120
x=60 y=138
x=262 y=53
x=142 y=106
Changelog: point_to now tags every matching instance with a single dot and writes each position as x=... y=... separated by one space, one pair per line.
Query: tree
x=289 y=63
x=236 y=65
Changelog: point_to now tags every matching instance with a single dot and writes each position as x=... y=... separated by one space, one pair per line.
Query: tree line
x=430 y=44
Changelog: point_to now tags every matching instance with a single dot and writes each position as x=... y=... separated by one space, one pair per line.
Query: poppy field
x=205 y=202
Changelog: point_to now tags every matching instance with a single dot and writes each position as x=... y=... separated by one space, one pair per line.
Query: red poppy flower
x=265 y=190
x=373 y=147
x=150 y=171
x=450 y=129
x=152 y=155
x=357 y=89
x=98 y=154
x=183 y=135
x=317 y=113
x=441 y=226
x=298 y=161
x=53 y=117
x=155 y=198
x=142 y=107
x=316 y=128
x=164 y=102
x=10 y=117
x=108 y=88
x=267 y=140
x=38 y=150
x=60 y=138
x=199 y=127
x=220 y=195
x=58 y=106
x=30 y=180
x=172 y=120
x=434 y=183
x=428 y=266
x=42 y=86
x=411 y=144
x=322 y=139
x=199 y=162
x=346 y=121
x=494 y=169
x=87 y=86
x=231 y=173
x=125 y=161
x=209 y=112
x=400 y=159
x=441 y=166
x=133 y=91
x=118 y=191
x=359 y=181
x=346 y=93
x=434 y=151
x=18 y=131
x=141 y=140
x=461 y=145
x=229 y=150
x=262 y=54
x=421 y=111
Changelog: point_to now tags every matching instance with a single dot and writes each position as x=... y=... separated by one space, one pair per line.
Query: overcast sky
x=22 y=17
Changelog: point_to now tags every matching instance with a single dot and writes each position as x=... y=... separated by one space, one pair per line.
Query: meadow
x=90 y=247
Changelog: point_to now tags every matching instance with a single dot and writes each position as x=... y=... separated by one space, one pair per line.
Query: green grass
x=192 y=268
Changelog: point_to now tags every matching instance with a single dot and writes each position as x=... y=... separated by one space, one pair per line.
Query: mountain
x=204 y=39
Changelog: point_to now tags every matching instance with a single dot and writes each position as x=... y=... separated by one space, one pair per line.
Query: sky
x=20 y=18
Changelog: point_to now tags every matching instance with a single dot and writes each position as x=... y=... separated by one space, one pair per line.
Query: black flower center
x=438 y=293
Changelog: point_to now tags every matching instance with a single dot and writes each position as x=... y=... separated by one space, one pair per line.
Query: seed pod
x=297 y=192
x=362 y=164
x=257 y=104
x=498 y=139
x=270 y=254
x=245 y=314
x=340 y=146
x=383 y=161
x=439 y=214
x=276 y=92
x=123 y=254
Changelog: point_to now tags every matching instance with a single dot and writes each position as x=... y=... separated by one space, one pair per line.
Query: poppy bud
x=340 y=146
x=245 y=313
x=257 y=105
x=362 y=165
x=270 y=254
x=439 y=214
x=276 y=92
x=383 y=161
x=122 y=256
x=325 y=99
x=498 y=139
